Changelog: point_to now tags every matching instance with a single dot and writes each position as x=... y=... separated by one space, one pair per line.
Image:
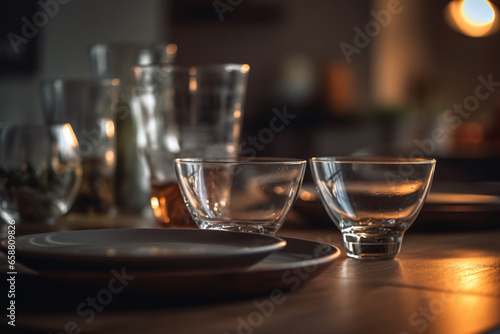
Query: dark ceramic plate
x=288 y=268
x=173 y=249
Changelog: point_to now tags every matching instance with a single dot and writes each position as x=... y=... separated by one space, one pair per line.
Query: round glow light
x=474 y=18
x=478 y=12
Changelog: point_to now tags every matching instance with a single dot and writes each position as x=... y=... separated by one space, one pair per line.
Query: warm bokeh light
x=115 y=82
x=279 y=190
x=470 y=133
x=171 y=49
x=307 y=196
x=137 y=71
x=69 y=135
x=110 y=158
x=478 y=12
x=236 y=132
x=110 y=128
x=245 y=68
x=474 y=132
x=111 y=252
x=192 y=85
x=192 y=80
x=474 y=18
x=163 y=209
x=339 y=90
x=154 y=203
x=461 y=199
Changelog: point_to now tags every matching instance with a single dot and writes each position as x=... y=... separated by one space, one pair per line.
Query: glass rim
x=378 y=160
x=130 y=45
x=77 y=81
x=185 y=68
x=241 y=160
x=33 y=125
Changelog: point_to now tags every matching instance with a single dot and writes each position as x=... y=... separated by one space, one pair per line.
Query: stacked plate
x=172 y=260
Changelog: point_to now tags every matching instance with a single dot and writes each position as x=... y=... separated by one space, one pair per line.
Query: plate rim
x=251 y=270
x=90 y=258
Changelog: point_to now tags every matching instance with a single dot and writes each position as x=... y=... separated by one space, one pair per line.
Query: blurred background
x=418 y=78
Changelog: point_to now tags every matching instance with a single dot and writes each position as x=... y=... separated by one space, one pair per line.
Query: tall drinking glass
x=87 y=106
x=114 y=61
x=191 y=112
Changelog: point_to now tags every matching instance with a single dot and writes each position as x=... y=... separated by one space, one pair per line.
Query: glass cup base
x=238 y=227
x=363 y=247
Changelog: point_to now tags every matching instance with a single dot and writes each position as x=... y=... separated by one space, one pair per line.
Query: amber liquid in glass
x=169 y=207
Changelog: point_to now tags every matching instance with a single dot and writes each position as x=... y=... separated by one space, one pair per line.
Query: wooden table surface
x=440 y=283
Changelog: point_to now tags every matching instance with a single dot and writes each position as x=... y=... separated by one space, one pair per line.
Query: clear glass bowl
x=40 y=172
x=241 y=194
x=372 y=200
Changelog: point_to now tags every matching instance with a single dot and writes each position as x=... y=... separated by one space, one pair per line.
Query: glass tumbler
x=40 y=172
x=186 y=112
x=372 y=200
x=114 y=61
x=88 y=106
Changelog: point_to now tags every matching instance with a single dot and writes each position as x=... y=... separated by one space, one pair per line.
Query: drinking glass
x=88 y=106
x=40 y=172
x=242 y=194
x=372 y=200
x=114 y=61
x=186 y=112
